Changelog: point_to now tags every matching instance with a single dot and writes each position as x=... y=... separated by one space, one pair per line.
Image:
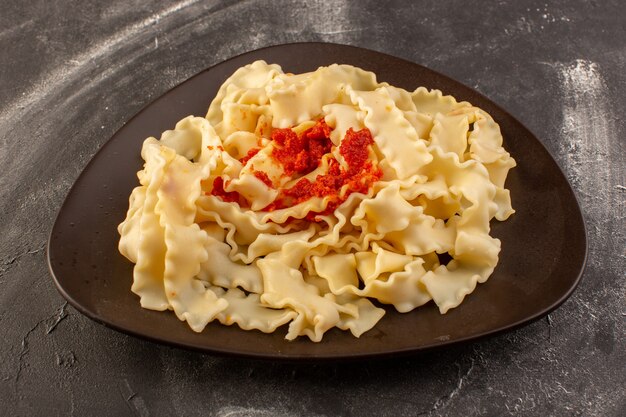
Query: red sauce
x=250 y=154
x=301 y=154
x=218 y=191
x=358 y=177
x=354 y=150
x=264 y=178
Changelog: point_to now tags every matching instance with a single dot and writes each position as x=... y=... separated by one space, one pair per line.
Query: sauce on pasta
x=339 y=182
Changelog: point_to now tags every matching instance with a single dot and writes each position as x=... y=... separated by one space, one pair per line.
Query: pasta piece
x=339 y=270
x=150 y=241
x=449 y=133
x=185 y=243
x=250 y=77
x=433 y=102
x=249 y=313
x=404 y=289
x=371 y=265
x=218 y=269
x=285 y=287
x=366 y=317
x=297 y=98
x=129 y=229
x=394 y=135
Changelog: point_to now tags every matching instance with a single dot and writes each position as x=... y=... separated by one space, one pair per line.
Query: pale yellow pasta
x=217 y=232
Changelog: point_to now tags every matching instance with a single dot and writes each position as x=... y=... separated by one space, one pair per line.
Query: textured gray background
x=72 y=72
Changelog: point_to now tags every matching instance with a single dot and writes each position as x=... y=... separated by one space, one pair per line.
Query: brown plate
x=543 y=254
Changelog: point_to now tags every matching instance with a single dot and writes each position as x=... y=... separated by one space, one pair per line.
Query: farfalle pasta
x=312 y=199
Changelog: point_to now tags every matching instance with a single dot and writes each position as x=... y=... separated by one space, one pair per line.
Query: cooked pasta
x=302 y=198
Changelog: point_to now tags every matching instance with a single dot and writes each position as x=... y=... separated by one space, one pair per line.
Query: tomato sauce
x=264 y=178
x=218 y=191
x=250 y=154
x=301 y=154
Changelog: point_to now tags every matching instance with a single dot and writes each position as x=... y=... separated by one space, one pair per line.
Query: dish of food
x=300 y=197
x=375 y=200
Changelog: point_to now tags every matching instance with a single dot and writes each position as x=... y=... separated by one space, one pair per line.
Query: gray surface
x=72 y=72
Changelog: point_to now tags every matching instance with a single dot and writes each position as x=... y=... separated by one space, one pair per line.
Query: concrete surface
x=72 y=72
